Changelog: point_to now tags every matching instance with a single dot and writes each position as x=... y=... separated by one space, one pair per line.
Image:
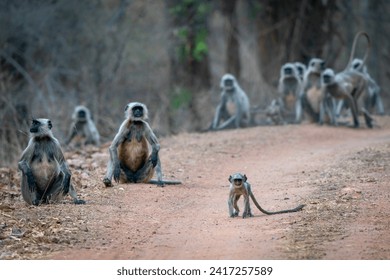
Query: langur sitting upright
x=231 y=94
x=134 y=150
x=45 y=173
x=84 y=127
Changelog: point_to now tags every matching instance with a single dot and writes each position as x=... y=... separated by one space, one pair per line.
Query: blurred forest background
x=169 y=54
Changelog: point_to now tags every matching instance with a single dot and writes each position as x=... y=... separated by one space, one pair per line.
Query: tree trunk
x=232 y=53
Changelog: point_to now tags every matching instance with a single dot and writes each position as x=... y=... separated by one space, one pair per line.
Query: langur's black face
x=35 y=126
x=327 y=79
x=288 y=71
x=81 y=114
x=237 y=179
x=237 y=182
x=228 y=83
x=356 y=65
x=317 y=64
x=138 y=112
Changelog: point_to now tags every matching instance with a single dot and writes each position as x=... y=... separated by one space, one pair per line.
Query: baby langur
x=239 y=186
x=83 y=126
x=231 y=94
x=274 y=112
x=45 y=173
x=134 y=150
x=290 y=87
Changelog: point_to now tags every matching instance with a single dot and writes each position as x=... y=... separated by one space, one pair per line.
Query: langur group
x=312 y=92
x=321 y=93
x=315 y=92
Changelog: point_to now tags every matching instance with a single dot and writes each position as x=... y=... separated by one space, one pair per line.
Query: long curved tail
x=163 y=182
x=351 y=57
x=296 y=209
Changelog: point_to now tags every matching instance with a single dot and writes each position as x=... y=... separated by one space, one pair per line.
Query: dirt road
x=340 y=174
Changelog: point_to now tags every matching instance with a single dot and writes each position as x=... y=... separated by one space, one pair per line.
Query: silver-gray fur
x=373 y=99
x=311 y=88
x=274 y=112
x=46 y=177
x=231 y=94
x=134 y=152
x=301 y=69
x=290 y=88
x=349 y=85
x=83 y=126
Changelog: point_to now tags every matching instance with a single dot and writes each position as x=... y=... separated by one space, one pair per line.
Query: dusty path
x=341 y=174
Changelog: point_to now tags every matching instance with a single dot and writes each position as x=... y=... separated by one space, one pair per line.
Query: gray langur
x=373 y=98
x=274 y=112
x=301 y=69
x=83 y=127
x=311 y=88
x=290 y=87
x=134 y=150
x=347 y=87
x=350 y=84
x=231 y=94
x=46 y=176
x=239 y=186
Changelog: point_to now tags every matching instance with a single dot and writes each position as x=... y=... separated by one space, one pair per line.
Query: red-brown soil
x=341 y=175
